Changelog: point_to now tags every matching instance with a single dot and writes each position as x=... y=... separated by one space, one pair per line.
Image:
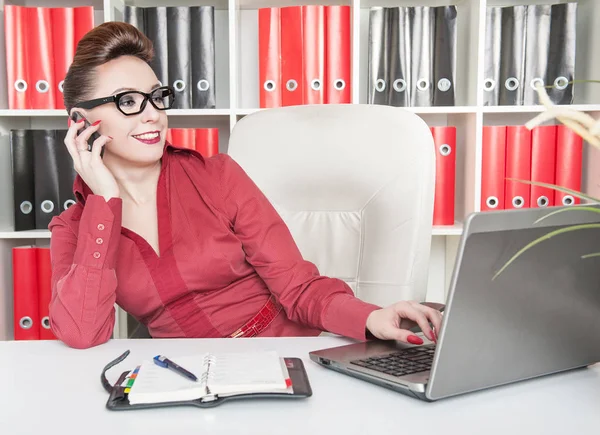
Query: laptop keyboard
x=400 y=363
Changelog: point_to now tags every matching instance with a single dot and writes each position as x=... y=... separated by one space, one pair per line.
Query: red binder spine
x=338 y=87
x=25 y=294
x=292 y=77
x=41 y=58
x=184 y=137
x=543 y=155
x=15 y=20
x=44 y=275
x=313 y=17
x=518 y=166
x=269 y=52
x=63 y=42
x=569 y=154
x=493 y=166
x=444 y=139
x=83 y=19
x=207 y=141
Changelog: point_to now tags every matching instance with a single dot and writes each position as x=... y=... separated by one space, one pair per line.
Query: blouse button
x=96 y=255
x=99 y=241
x=100 y=227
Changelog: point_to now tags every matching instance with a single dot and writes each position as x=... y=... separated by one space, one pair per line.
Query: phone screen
x=95 y=135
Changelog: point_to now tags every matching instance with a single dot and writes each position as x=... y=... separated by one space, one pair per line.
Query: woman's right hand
x=89 y=164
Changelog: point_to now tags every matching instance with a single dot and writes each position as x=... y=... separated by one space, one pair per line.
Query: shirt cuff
x=99 y=232
x=347 y=315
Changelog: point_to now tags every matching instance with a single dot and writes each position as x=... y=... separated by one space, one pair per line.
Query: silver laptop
x=540 y=316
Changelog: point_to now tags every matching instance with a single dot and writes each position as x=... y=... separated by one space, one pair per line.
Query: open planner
x=261 y=374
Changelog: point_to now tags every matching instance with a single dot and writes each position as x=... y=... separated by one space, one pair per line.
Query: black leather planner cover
x=380 y=50
x=134 y=15
x=155 y=23
x=180 y=74
x=203 y=57
x=45 y=160
x=118 y=400
x=444 y=56
x=21 y=147
x=561 y=62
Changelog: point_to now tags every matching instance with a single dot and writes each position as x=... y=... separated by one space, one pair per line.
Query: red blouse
x=224 y=251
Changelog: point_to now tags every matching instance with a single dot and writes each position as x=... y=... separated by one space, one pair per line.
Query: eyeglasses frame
x=91 y=104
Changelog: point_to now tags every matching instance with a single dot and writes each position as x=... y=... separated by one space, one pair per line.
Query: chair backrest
x=354 y=184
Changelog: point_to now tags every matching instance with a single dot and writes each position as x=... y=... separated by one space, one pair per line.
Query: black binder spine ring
x=535 y=81
x=444 y=84
x=380 y=85
x=511 y=83
x=42 y=86
x=422 y=84
x=203 y=85
x=47 y=206
x=399 y=85
x=26 y=322
x=315 y=84
x=269 y=86
x=20 y=85
x=542 y=201
x=291 y=85
x=561 y=83
x=26 y=207
x=68 y=203
x=489 y=85
x=179 y=85
x=492 y=202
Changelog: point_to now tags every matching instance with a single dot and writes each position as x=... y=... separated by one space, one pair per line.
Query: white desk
x=48 y=388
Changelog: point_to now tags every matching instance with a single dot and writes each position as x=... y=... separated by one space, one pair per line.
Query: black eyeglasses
x=134 y=102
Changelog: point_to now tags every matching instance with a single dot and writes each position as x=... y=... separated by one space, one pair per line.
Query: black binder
x=45 y=160
x=561 y=62
x=118 y=398
x=155 y=23
x=180 y=74
x=134 y=15
x=380 y=46
x=444 y=56
x=400 y=63
x=66 y=172
x=203 y=57
x=21 y=147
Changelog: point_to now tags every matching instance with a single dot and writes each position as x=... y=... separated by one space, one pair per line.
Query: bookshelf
x=237 y=90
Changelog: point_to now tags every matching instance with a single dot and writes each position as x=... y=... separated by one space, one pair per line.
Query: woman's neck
x=137 y=183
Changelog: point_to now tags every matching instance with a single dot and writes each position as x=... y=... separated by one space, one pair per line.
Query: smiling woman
x=188 y=246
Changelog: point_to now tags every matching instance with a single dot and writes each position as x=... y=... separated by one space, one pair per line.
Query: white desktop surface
x=48 y=388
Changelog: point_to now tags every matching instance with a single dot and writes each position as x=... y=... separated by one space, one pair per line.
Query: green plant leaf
x=569 y=209
x=575 y=193
x=596 y=254
x=543 y=238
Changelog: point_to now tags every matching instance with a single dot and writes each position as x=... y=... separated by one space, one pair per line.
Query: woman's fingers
x=83 y=137
x=413 y=313
x=434 y=316
x=70 y=140
x=98 y=145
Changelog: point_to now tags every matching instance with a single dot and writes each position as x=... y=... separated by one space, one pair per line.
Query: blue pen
x=165 y=362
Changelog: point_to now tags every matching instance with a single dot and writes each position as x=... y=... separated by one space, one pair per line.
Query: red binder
x=269 y=49
x=313 y=17
x=339 y=86
x=292 y=78
x=15 y=20
x=63 y=42
x=493 y=166
x=543 y=155
x=83 y=17
x=183 y=137
x=444 y=139
x=41 y=58
x=25 y=293
x=44 y=282
x=569 y=153
x=518 y=165
x=207 y=141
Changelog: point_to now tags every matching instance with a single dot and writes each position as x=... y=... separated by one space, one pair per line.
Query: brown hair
x=100 y=45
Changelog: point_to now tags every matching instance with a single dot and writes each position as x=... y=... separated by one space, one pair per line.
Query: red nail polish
x=96 y=123
x=432 y=336
x=413 y=339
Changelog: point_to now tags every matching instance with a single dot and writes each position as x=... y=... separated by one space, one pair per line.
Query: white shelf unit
x=236 y=27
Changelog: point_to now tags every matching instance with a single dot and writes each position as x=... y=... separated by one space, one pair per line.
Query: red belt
x=259 y=322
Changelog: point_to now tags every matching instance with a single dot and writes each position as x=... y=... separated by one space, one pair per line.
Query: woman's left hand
x=394 y=321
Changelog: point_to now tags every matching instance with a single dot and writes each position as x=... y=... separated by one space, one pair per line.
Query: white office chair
x=354 y=184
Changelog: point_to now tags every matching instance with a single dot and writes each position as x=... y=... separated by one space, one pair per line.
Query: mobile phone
x=76 y=117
